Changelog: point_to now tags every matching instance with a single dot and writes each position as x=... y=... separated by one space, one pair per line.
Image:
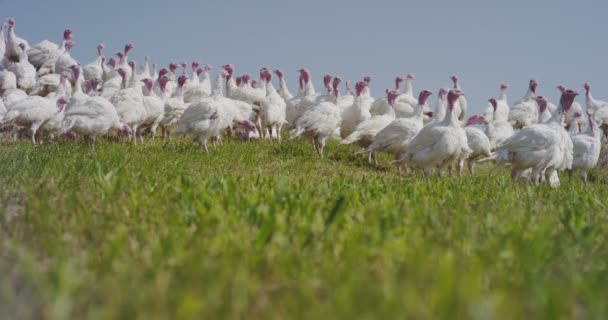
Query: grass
x=261 y=231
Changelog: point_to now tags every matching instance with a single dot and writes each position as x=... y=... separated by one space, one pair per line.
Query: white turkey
x=2 y=41
x=44 y=55
x=33 y=112
x=194 y=89
x=358 y=111
x=65 y=60
x=441 y=105
x=154 y=107
x=129 y=104
x=145 y=70
x=599 y=109
x=405 y=105
x=497 y=130
x=319 y=122
x=479 y=144
x=8 y=89
x=501 y=110
x=24 y=71
x=575 y=113
x=543 y=147
x=283 y=89
x=365 y=131
x=525 y=111
x=204 y=118
x=174 y=107
x=12 y=44
x=395 y=137
x=439 y=145
x=272 y=108
x=543 y=111
x=378 y=104
x=462 y=101
x=93 y=117
x=587 y=147
x=94 y=70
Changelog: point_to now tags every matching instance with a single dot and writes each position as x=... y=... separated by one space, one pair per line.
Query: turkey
x=543 y=111
x=244 y=93
x=24 y=71
x=575 y=113
x=543 y=147
x=93 y=117
x=501 y=110
x=439 y=145
x=129 y=104
x=525 y=111
x=174 y=107
x=194 y=90
x=53 y=127
x=32 y=112
x=497 y=130
x=44 y=55
x=124 y=59
x=440 y=106
x=462 y=101
x=65 y=60
x=145 y=70
x=378 y=105
x=479 y=144
x=319 y=122
x=12 y=44
x=599 y=109
x=586 y=148
x=62 y=88
x=48 y=83
x=204 y=118
x=405 y=105
x=2 y=110
x=294 y=110
x=309 y=98
x=395 y=137
x=365 y=131
x=283 y=89
x=206 y=81
x=94 y=70
x=358 y=111
x=154 y=107
x=2 y=41
x=8 y=89
x=272 y=108
x=108 y=69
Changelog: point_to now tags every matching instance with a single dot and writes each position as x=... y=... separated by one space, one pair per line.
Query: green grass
x=261 y=231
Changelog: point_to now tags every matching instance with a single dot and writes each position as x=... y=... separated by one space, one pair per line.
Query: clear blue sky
x=484 y=42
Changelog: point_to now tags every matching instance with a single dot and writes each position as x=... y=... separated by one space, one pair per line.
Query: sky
x=484 y=42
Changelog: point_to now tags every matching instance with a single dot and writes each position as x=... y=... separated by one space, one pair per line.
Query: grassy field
x=261 y=231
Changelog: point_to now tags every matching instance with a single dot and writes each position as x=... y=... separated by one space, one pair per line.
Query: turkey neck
x=589 y=98
x=309 y=89
x=78 y=84
x=529 y=95
x=284 y=90
x=503 y=96
x=269 y=88
x=408 y=87
x=418 y=114
x=440 y=109
x=217 y=85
